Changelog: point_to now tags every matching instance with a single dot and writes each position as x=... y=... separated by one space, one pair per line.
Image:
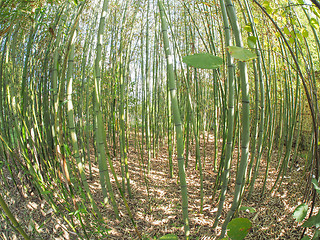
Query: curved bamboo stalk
x=230 y=119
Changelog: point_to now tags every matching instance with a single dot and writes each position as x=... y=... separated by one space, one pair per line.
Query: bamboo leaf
x=239 y=228
x=241 y=54
x=305 y=33
x=46 y=192
x=316 y=235
x=314 y=23
x=300 y=212
x=313 y=221
x=266 y=5
x=250 y=209
x=286 y=31
x=291 y=40
x=299 y=35
x=247 y=28
x=203 y=60
x=315 y=184
x=75 y=2
x=315 y=11
x=305 y=237
x=169 y=237
x=252 y=40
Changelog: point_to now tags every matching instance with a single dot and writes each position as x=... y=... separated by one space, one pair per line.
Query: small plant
x=300 y=214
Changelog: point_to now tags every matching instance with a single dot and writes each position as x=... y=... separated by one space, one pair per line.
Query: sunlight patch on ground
x=32 y=205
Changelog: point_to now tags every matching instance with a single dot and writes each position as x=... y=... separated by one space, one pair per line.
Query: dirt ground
x=159 y=212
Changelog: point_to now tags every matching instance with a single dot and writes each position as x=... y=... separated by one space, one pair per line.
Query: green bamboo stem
x=273 y=116
x=245 y=133
x=230 y=118
x=260 y=107
x=73 y=134
x=15 y=223
x=100 y=131
x=122 y=75
x=176 y=119
x=312 y=110
x=147 y=92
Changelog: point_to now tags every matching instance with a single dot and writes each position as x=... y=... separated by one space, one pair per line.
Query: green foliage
x=247 y=28
x=250 y=209
x=268 y=8
x=252 y=40
x=315 y=11
x=300 y=212
x=203 y=60
x=313 y=221
x=316 y=235
x=314 y=23
x=305 y=33
x=241 y=54
x=14 y=11
x=239 y=228
x=315 y=185
x=286 y=31
x=46 y=192
x=169 y=237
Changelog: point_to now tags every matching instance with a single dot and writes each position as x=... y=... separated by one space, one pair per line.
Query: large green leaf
x=300 y=212
x=169 y=237
x=241 y=54
x=316 y=235
x=313 y=221
x=239 y=228
x=203 y=60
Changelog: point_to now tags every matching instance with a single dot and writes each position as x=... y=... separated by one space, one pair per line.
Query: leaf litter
x=159 y=212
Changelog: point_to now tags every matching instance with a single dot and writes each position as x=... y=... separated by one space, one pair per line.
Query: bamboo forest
x=159 y=119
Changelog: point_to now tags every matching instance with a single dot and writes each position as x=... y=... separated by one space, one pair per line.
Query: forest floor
x=159 y=212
